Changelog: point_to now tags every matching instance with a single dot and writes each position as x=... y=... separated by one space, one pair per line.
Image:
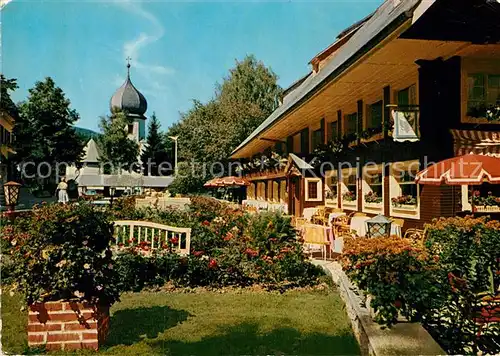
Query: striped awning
x=476 y=142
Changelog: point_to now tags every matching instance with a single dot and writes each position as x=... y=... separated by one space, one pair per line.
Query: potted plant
x=65 y=273
x=404 y=202
x=372 y=200
x=349 y=198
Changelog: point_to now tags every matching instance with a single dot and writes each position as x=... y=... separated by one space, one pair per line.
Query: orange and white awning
x=226 y=182
x=470 y=169
x=476 y=142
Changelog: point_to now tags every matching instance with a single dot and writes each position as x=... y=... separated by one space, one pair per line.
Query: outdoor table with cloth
x=332 y=216
x=358 y=224
x=309 y=213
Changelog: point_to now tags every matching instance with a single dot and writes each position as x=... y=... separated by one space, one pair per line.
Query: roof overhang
x=383 y=24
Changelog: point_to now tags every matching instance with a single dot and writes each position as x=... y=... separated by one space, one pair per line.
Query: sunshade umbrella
x=234 y=181
x=469 y=169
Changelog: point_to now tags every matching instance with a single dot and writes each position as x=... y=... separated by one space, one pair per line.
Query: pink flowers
x=228 y=236
x=212 y=264
x=174 y=240
x=206 y=223
x=251 y=253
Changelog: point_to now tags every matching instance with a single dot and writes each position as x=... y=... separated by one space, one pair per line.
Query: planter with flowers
x=404 y=202
x=64 y=269
x=372 y=200
x=490 y=203
x=349 y=200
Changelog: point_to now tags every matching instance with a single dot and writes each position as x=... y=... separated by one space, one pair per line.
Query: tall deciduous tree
x=6 y=103
x=44 y=131
x=208 y=133
x=117 y=150
x=155 y=156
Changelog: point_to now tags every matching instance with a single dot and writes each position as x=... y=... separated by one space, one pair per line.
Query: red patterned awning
x=476 y=142
x=464 y=170
x=226 y=182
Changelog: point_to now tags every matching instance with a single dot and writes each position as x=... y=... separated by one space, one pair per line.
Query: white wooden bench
x=132 y=233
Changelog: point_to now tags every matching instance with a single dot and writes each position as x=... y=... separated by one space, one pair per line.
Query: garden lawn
x=211 y=323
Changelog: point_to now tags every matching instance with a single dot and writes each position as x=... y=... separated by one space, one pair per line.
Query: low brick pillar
x=67 y=325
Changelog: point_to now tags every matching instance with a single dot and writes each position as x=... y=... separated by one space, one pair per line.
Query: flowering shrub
x=372 y=197
x=349 y=196
x=403 y=200
x=228 y=247
x=451 y=282
x=62 y=252
x=393 y=271
x=469 y=272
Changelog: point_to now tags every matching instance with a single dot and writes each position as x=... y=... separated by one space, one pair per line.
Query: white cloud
x=154 y=74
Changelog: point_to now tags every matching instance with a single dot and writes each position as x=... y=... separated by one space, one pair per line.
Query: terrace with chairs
x=324 y=229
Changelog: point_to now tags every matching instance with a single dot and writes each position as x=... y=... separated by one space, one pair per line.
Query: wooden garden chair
x=315 y=239
x=320 y=217
x=416 y=235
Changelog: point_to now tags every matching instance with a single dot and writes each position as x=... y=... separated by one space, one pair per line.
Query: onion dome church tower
x=130 y=100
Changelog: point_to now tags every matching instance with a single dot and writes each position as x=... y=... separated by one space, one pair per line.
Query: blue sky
x=179 y=50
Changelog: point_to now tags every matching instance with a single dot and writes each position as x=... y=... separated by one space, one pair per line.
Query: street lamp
x=378 y=226
x=112 y=191
x=11 y=192
x=174 y=138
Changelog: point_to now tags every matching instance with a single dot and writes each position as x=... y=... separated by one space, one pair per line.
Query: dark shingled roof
x=128 y=98
x=363 y=40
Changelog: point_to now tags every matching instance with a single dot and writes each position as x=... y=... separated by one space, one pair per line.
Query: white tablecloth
x=332 y=216
x=358 y=224
x=309 y=213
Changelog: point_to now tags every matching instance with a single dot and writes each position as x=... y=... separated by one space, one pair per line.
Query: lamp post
x=379 y=226
x=11 y=192
x=174 y=138
x=112 y=193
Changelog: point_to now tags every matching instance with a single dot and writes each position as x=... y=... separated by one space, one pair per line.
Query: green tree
x=156 y=151
x=209 y=132
x=6 y=103
x=44 y=131
x=117 y=150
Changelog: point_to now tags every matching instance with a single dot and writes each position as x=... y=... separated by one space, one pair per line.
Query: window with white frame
x=261 y=191
x=331 y=188
x=313 y=189
x=373 y=187
x=404 y=192
x=483 y=92
x=349 y=188
x=251 y=191
x=276 y=191
x=283 y=192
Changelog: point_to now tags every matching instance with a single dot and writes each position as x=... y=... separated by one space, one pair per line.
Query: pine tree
x=156 y=151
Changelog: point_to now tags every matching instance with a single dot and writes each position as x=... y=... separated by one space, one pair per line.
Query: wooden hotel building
x=405 y=86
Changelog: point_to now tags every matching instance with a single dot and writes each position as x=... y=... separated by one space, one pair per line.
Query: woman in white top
x=62 y=189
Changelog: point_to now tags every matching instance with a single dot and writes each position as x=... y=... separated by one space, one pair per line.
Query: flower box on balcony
x=487 y=208
x=374 y=206
x=405 y=207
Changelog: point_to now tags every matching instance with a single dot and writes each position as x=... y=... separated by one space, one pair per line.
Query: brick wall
x=67 y=325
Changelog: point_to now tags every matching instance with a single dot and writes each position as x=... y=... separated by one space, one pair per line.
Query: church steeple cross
x=128 y=65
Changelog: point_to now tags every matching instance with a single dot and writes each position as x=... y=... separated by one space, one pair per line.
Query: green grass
x=209 y=323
